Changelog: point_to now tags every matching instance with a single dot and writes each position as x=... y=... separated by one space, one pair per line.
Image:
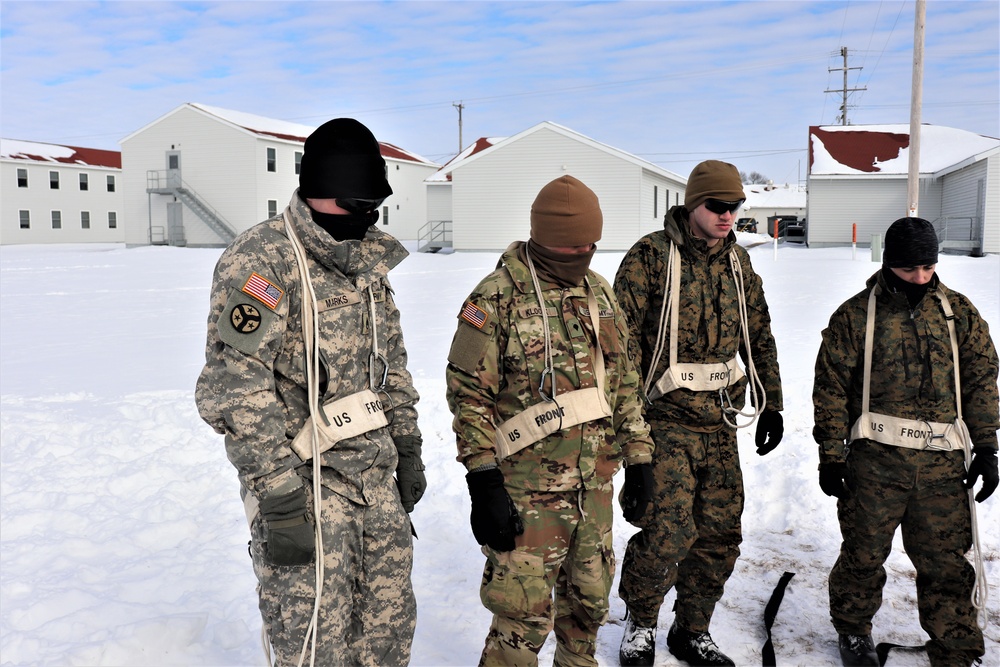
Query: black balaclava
x=909 y=242
x=342 y=160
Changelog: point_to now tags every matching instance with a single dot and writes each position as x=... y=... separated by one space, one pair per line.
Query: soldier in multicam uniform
x=306 y=376
x=546 y=410
x=893 y=437
x=693 y=303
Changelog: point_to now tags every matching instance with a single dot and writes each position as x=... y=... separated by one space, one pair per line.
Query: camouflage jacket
x=912 y=368
x=253 y=386
x=709 y=327
x=495 y=366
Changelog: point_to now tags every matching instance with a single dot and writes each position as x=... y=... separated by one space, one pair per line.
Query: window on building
x=53 y=180
x=656 y=202
x=298 y=162
x=112 y=220
x=385 y=215
x=666 y=199
x=84 y=219
x=84 y=182
x=22 y=178
x=56 y=219
x=272 y=208
x=173 y=161
x=25 y=217
x=272 y=159
x=111 y=183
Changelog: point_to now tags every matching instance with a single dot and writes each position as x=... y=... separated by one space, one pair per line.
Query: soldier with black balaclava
x=306 y=377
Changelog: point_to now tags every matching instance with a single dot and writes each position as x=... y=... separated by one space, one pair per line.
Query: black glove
x=833 y=479
x=494 y=518
x=289 y=532
x=984 y=463
x=770 y=428
x=637 y=491
x=410 y=477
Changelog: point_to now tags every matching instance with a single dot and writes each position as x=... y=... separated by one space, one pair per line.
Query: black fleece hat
x=342 y=159
x=910 y=242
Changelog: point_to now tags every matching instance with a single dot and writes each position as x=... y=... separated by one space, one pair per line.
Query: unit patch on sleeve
x=264 y=290
x=245 y=318
x=474 y=315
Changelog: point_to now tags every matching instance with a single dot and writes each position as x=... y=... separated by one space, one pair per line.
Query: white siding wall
x=871 y=202
x=40 y=200
x=668 y=194
x=408 y=202
x=960 y=201
x=224 y=165
x=492 y=195
x=991 y=231
x=438 y=202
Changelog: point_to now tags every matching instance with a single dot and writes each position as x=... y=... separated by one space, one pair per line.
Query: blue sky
x=672 y=82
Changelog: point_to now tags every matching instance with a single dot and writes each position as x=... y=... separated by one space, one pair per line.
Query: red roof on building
x=34 y=151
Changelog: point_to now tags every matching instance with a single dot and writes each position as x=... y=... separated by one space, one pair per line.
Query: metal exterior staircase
x=960 y=235
x=165 y=183
x=434 y=236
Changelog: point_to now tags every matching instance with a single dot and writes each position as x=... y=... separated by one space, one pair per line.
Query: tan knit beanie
x=713 y=179
x=566 y=213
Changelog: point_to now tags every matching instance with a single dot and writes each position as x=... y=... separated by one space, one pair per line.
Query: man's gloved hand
x=289 y=532
x=410 y=477
x=494 y=517
x=770 y=428
x=984 y=464
x=833 y=479
x=637 y=491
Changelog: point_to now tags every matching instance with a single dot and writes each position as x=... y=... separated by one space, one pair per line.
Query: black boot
x=857 y=651
x=696 y=648
x=638 y=644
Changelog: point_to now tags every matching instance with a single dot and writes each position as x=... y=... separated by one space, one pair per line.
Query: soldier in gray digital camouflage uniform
x=893 y=450
x=547 y=407
x=306 y=376
x=694 y=304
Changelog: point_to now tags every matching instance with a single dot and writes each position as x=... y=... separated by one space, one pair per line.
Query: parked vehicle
x=747 y=225
x=796 y=231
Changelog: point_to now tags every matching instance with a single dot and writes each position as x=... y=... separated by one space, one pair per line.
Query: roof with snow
x=444 y=173
x=885 y=149
x=482 y=146
x=774 y=196
x=34 y=151
x=284 y=130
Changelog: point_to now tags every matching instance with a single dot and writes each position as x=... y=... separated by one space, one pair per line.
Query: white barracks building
x=59 y=194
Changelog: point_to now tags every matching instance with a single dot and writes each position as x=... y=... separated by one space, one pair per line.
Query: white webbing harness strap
x=567 y=410
x=343 y=418
x=698 y=376
x=924 y=435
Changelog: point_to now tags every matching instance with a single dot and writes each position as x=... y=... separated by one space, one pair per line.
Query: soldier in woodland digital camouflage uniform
x=682 y=291
x=306 y=376
x=544 y=416
x=900 y=460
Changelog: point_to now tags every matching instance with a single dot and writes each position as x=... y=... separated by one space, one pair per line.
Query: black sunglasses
x=355 y=205
x=718 y=207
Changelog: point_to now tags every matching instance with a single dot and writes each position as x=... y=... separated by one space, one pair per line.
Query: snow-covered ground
x=123 y=540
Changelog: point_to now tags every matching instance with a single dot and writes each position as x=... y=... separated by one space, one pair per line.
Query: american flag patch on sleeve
x=264 y=290
x=474 y=315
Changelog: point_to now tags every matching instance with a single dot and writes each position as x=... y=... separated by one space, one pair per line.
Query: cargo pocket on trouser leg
x=591 y=578
x=514 y=585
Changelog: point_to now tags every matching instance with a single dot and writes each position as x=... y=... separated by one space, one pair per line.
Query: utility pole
x=843 y=91
x=459 y=106
x=916 y=100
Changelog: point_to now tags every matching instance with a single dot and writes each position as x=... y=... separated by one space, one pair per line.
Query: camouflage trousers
x=691 y=533
x=921 y=492
x=567 y=549
x=368 y=612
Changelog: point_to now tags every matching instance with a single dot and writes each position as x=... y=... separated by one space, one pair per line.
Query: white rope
x=661 y=332
x=310 y=334
x=757 y=401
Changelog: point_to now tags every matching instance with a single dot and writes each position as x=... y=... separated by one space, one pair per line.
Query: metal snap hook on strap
x=372 y=358
x=932 y=436
x=541 y=385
